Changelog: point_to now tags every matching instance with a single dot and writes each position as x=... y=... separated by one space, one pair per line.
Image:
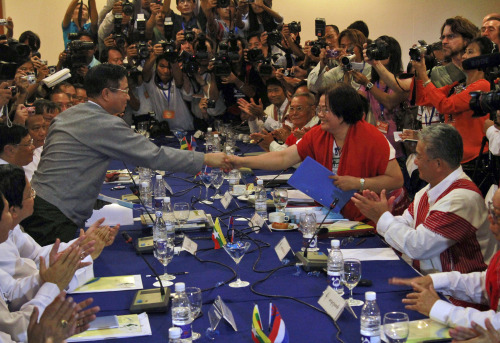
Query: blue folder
x=312 y=179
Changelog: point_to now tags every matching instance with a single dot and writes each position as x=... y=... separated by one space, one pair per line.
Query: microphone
x=274 y=178
x=149 y=300
x=480 y=62
x=318 y=261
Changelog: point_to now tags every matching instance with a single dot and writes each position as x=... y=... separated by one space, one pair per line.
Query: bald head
x=489 y=15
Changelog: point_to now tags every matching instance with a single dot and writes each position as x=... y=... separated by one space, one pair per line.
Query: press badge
x=168 y=114
x=383 y=126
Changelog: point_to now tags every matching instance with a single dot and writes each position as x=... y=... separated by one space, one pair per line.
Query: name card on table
x=226 y=200
x=189 y=245
x=220 y=310
x=257 y=220
x=283 y=248
x=332 y=303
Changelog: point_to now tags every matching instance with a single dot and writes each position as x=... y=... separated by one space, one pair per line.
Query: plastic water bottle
x=159 y=192
x=159 y=228
x=145 y=193
x=216 y=143
x=181 y=312
x=335 y=267
x=209 y=141
x=370 y=319
x=174 y=335
x=261 y=199
x=169 y=218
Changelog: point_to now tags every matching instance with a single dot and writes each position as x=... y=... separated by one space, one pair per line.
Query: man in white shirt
x=37 y=129
x=16 y=145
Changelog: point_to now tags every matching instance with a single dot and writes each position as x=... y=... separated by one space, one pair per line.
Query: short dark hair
x=275 y=82
x=360 y=26
x=357 y=37
x=463 y=27
x=45 y=106
x=58 y=88
x=254 y=34
x=334 y=27
x=11 y=135
x=443 y=141
x=486 y=46
x=395 y=65
x=177 y=1
x=103 y=76
x=105 y=53
x=2 y=204
x=345 y=102
x=12 y=184
x=32 y=38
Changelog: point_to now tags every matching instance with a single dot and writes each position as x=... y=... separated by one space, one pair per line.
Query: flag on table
x=184 y=144
x=217 y=235
x=258 y=335
x=193 y=143
x=277 y=330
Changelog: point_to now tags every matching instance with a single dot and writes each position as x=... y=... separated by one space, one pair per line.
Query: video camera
x=119 y=38
x=77 y=53
x=224 y=58
x=10 y=55
x=142 y=45
x=378 y=50
x=483 y=103
x=169 y=48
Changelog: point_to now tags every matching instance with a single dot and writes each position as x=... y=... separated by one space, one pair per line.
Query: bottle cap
x=174 y=332
x=180 y=287
x=260 y=182
x=159 y=177
x=369 y=296
x=335 y=243
x=166 y=200
x=209 y=129
x=216 y=135
x=145 y=184
x=133 y=127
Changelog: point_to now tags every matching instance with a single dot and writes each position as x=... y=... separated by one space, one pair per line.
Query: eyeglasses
x=491 y=212
x=321 y=109
x=449 y=37
x=32 y=194
x=124 y=91
x=298 y=108
x=25 y=144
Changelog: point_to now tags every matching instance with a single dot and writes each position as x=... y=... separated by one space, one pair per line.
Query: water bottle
x=335 y=267
x=174 y=335
x=216 y=143
x=159 y=192
x=209 y=141
x=169 y=218
x=181 y=312
x=145 y=193
x=158 y=228
x=370 y=319
x=261 y=199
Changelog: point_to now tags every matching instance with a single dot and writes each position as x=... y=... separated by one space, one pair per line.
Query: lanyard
x=430 y=119
x=164 y=94
x=382 y=107
x=277 y=113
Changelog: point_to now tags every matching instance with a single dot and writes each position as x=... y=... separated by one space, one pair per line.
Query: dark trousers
x=48 y=223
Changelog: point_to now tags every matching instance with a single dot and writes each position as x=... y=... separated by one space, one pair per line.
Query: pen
x=361 y=241
x=180 y=273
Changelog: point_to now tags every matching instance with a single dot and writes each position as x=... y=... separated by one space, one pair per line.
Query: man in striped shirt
x=445 y=228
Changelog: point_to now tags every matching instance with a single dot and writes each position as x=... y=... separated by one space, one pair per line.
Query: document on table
x=111 y=284
x=114 y=214
x=423 y=330
x=131 y=325
x=375 y=254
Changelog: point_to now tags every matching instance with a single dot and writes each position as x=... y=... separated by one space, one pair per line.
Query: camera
x=288 y=72
x=189 y=35
x=273 y=37
x=201 y=47
x=77 y=53
x=142 y=46
x=223 y=3
x=346 y=63
x=3 y=22
x=416 y=52
x=316 y=47
x=22 y=50
x=169 y=50
x=332 y=53
x=119 y=38
x=266 y=68
x=294 y=27
x=378 y=50
x=210 y=103
x=13 y=90
x=483 y=103
x=133 y=73
x=190 y=65
x=128 y=8
x=320 y=27
x=255 y=55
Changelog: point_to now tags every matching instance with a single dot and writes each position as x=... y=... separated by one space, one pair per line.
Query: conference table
x=290 y=288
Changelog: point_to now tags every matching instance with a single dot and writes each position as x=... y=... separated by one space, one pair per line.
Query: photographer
x=331 y=41
x=261 y=17
x=79 y=57
x=453 y=100
x=187 y=17
x=112 y=25
x=228 y=22
x=76 y=19
x=167 y=88
x=349 y=56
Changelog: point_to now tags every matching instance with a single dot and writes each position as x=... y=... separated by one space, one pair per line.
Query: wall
x=406 y=20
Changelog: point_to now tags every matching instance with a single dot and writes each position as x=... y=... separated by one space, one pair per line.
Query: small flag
x=184 y=144
x=230 y=227
x=258 y=335
x=193 y=143
x=277 y=330
x=217 y=236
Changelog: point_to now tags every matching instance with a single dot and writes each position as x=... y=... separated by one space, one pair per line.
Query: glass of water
x=351 y=277
x=396 y=327
x=217 y=181
x=164 y=252
x=280 y=198
x=195 y=302
x=181 y=212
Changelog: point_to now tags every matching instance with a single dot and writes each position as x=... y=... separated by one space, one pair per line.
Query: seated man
x=48 y=109
x=37 y=128
x=479 y=287
x=445 y=228
x=16 y=145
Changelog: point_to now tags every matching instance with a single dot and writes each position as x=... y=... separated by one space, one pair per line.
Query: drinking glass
x=351 y=277
x=233 y=179
x=396 y=327
x=164 y=252
x=307 y=224
x=237 y=250
x=280 y=198
x=217 y=180
x=206 y=177
x=181 y=212
x=195 y=302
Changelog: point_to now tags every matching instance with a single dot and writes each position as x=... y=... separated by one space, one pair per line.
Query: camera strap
x=167 y=97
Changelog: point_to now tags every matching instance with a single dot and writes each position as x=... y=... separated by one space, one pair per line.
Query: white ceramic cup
x=238 y=189
x=278 y=217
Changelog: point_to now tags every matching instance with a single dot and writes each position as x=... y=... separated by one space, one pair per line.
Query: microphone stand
x=148 y=300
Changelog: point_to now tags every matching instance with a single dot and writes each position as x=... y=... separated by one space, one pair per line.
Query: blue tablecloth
x=303 y=323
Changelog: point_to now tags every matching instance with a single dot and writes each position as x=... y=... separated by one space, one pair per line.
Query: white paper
x=114 y=214
x=375 y=254
x=282 y=177
x=294 y=195
x=111 y=284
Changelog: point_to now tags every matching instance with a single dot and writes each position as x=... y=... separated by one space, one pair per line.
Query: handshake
x=221 y=160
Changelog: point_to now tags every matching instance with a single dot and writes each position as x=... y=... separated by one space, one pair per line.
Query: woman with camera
x=453 y=100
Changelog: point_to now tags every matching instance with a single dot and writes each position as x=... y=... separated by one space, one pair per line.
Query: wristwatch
x=369 y=86
x=361 y=184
